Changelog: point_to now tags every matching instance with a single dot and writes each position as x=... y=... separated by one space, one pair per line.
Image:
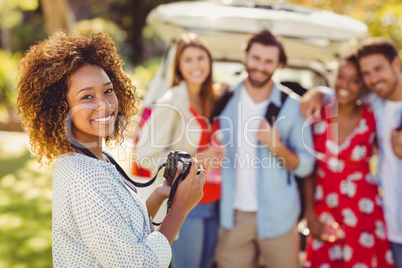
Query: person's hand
x=190 y=190
x=163 y=190
x=220 y=88
x=211 y=157
x=269 y=135
x=310 y=103
x=315 y=226
x=396 y=142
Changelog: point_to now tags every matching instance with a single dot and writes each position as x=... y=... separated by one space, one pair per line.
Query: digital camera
x=172 y=164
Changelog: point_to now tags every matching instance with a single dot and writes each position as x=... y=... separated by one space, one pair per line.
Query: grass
x=25 y=206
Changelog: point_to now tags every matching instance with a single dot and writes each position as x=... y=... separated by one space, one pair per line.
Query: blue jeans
x=197 y=238
x=397 y=254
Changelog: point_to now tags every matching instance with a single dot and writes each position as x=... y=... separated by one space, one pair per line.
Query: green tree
x=18 y=18
x=58 y=15
x=131 y=16
x=383 y=17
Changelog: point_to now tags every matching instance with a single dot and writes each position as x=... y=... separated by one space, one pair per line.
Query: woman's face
x=194 y=65
x=93 y=104
x=347 y=83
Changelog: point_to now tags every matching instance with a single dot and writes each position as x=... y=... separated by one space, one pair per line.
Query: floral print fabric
x=346 y=193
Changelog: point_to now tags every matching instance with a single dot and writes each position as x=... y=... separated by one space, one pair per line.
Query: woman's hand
x=157 y=197
x=190 y=190
x=160 y=193
x=315 y=226
x=211 y=157
x=163 y=189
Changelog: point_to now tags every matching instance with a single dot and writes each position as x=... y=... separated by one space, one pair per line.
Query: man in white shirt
x=260 y=202
x=380 y=67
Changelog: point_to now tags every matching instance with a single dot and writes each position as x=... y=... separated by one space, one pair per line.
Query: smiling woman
x=73 y=94
x=45 y=79
x=91 y=97
x=184 y=115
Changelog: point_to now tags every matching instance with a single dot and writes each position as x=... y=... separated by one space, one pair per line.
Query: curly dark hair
x=44 y=75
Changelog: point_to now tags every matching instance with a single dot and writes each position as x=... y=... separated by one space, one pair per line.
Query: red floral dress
x=347 y=194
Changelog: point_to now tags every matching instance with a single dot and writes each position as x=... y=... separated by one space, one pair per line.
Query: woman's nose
x=103 y=104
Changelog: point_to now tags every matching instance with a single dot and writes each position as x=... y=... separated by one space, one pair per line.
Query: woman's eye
x=87 y=97
x=110 y=90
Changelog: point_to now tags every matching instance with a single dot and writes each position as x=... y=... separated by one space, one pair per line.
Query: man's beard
x=395 y=84
x=258 y=84
x=388 y=92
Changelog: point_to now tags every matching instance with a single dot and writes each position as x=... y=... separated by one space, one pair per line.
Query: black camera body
x=172 y=165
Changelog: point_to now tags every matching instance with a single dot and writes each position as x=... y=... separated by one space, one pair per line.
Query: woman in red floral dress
x=344 y=212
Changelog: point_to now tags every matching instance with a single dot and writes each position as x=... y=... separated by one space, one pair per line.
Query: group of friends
x=72 y=90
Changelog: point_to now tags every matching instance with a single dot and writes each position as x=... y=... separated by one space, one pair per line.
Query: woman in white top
x=73 y=89
x=180 y=120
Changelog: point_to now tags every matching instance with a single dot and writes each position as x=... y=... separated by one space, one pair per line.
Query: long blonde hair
x=206 y=93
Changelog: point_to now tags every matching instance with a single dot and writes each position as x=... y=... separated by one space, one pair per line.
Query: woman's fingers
x=178 y=170
x=200 y=178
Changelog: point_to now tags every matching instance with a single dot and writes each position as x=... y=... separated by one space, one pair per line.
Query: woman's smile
x=93 y=104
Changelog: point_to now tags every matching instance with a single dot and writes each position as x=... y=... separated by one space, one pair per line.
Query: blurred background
x=25 y=187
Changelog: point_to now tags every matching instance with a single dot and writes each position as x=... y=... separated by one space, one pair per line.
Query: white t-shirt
x=251 y=114
x=389 y=170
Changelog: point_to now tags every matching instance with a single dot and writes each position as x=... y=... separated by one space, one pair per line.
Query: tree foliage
x=131 y=15
x=58 y=15
x=383 y=17
x=23 y=22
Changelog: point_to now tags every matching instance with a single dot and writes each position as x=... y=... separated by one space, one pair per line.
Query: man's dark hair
x=266 y=38
x=378 y=45
x=351 y=58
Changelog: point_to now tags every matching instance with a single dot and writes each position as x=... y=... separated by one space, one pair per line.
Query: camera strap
x=127 y=180
x=173 y=190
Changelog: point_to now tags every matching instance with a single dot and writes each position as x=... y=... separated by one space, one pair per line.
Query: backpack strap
x=273 y=111
x=221 y=103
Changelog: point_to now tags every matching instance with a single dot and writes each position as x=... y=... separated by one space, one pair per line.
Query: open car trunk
x=313 y=39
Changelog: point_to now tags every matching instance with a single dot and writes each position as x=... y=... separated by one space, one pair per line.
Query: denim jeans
x=397 y=254
x=197 y=238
